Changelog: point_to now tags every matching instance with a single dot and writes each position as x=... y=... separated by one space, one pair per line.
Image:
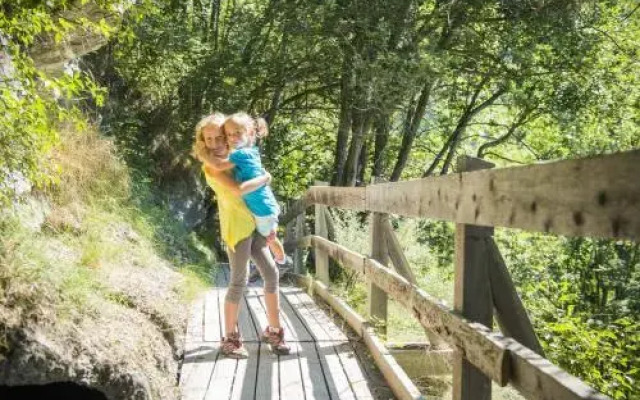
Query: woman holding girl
x=238 y=231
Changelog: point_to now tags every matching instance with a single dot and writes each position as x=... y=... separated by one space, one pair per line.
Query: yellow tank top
x=236 y=221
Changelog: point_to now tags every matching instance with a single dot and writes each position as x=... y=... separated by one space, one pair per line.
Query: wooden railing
x=598 y=196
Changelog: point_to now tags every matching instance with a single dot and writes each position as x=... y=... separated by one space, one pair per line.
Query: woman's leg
x=270 y=274
x=239 y=262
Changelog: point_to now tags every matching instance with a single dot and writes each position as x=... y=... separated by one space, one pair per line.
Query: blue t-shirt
x=248 y=165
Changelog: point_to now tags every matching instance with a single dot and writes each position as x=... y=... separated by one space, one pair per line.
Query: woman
x=237 y=229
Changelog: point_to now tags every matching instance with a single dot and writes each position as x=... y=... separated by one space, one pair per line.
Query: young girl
x=241 y=131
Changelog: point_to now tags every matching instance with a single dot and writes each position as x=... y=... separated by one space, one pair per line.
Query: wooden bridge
x=598 y=196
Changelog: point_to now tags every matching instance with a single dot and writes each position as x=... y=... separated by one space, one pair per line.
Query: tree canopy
x=353 y=90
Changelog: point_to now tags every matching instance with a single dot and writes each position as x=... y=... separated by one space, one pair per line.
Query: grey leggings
x=256 y=247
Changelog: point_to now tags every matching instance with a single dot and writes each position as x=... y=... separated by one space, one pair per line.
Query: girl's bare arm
x=255 y=183
x=239 y=189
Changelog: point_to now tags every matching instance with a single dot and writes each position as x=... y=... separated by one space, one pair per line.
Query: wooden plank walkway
x=325 y=363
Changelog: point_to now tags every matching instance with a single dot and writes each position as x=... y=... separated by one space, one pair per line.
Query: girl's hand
x=269 y=177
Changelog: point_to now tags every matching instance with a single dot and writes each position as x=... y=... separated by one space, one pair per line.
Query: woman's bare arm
x=236 y=188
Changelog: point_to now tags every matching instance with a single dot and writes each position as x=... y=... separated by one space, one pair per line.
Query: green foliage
x=298 y=152
x=604 y=354
x=36 y=104
x=582 y=295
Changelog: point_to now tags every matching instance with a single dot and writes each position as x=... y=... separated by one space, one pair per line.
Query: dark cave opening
x=58 y=390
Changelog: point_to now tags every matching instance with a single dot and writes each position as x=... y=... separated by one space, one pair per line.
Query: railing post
x=289 y=234
x=377 y=298
x=472 y=293
x=298 y=264
x=321 y=257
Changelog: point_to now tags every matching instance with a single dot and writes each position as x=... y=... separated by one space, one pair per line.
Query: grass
x=101 y=215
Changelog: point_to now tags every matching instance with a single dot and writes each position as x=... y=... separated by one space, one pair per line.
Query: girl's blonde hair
x=216 y=119
x=254 y=126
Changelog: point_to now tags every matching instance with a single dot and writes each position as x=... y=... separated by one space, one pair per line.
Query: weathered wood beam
x=377 y=301
x=343 y=197
x=400 y=262
x=355 y=321
x=472 y=294
x=397 y=378
x=320 y=227
x=596 y=196
x=341 y=254
x=537 y=378
x=476 y=342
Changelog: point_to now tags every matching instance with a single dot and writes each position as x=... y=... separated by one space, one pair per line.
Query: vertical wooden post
x=289 y=234
x=321 y=257
x=377 y=298
x=472 y=293
x=298 y=264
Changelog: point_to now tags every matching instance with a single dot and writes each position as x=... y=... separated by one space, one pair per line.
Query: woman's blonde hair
x=254 y=126
x=216 y=119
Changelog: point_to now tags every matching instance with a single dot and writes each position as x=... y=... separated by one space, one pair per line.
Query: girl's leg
x=270 y=274
x=276 y=247
x=267 y=227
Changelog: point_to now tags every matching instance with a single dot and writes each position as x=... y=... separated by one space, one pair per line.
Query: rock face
x=124 y=340
x=51 y=57
x=188 y=198
x=126 y=351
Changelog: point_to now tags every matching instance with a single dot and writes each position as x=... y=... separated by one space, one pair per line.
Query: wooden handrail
x=502 y=359
x=596 y=196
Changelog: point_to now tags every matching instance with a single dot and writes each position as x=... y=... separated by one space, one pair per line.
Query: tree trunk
x=281 y=81
x=357 y=141
x=344 y=124
x=411 y=129
x=467 y=116
x=214 y=23
x=381 y=138
x=438 y=157
x=363 y=160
